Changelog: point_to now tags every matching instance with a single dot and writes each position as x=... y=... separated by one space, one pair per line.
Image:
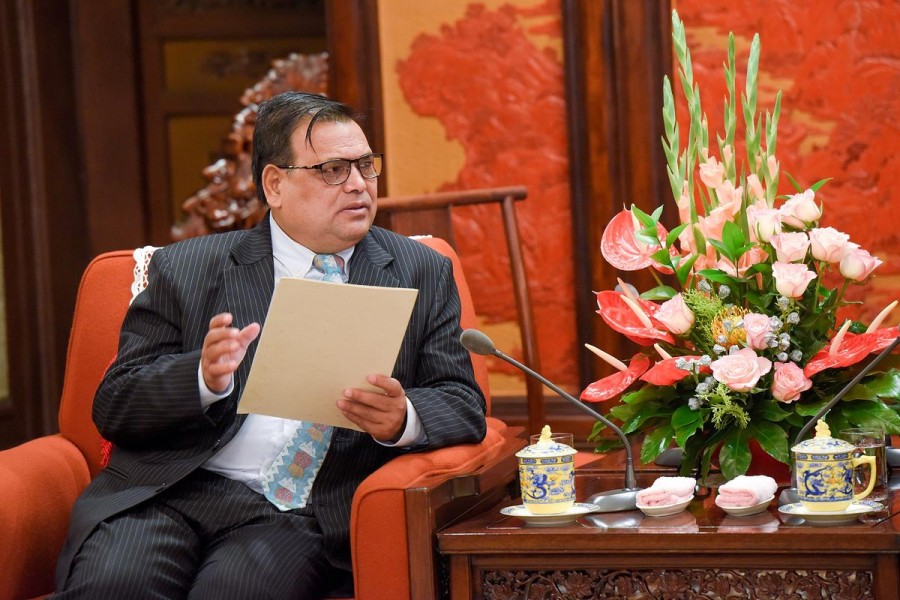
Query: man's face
x=324 y=218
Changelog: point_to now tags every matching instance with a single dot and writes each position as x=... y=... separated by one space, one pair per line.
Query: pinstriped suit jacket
x=148 y=404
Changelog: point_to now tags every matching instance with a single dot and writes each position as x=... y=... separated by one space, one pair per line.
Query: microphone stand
x=608 y=501
x=790 y=495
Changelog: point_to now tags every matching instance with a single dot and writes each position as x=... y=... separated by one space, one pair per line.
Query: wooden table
x=700 y=553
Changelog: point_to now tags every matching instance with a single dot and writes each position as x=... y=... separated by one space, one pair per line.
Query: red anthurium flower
x=620 y=317
x=665 y=373
x=615 y=384
x=622 y=249
x=853 y=349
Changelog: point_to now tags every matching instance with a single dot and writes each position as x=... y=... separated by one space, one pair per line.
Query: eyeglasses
x=337 y=171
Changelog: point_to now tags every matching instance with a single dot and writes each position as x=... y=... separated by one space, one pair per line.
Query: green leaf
x=660 y=292
x=717 y=276
x=655 y=442
x=646 y=412
x=643 y=218
x=686 y=422
x=684 y=269
x=685 y=417
x=673 y=235
x=734 y=457
x=808 y=409
x=769 y=410
x=733 y=238
x=772 y=439
x=764 y=268
x=886 y=385
x=858 y=392
x=647 y=236
x=722 y=248
x=648 y=393
x=815 y=187
x=872 y=414
x=662 y=256
x=793 y=181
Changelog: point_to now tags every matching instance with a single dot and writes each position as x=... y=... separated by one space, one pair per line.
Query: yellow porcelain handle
x=860 y=460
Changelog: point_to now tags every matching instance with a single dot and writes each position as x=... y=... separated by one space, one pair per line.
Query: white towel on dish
x=666 y=491
x=746 y=490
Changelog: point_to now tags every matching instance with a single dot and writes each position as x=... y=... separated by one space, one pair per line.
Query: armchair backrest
x=103 y=298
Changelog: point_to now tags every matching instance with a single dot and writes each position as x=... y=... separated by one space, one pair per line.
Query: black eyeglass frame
x=378 y=156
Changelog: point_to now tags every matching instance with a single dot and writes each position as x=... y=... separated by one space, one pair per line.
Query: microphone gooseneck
x=790 y=495
x=479 y=343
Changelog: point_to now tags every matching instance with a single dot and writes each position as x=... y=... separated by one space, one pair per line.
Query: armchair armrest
x=39 y=482
x=397 y=510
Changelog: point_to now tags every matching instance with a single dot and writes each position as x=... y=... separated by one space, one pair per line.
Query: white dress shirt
x=249 y=455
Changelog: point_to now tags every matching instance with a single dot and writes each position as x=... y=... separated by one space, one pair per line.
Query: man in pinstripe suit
x=180 y=511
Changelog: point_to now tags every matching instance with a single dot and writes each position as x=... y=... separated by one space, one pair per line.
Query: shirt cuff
x=207 y=396
x=413 y=435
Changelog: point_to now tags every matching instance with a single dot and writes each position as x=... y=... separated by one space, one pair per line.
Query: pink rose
x=675 y=315
x=791 y=280
x=828 y=244
x=857 y=264
x=764 y=222
x=790 y=247
x=801 y=209
x=757 y=327
x=788 y=382
x=740 y=371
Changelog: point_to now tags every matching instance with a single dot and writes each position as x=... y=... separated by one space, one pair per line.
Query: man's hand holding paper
x=381 y=414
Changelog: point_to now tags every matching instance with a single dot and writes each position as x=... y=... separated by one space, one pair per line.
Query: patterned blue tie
x=332 y=266
x=289 y=480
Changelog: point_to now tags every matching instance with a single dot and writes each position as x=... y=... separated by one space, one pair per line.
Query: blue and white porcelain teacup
x=824 y=469
x=547 y=475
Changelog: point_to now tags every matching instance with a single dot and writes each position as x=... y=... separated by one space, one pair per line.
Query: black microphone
x=790 y=495
x=609 y=501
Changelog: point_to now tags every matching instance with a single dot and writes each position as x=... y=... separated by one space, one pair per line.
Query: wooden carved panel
x=229 y=201
x=677 y=584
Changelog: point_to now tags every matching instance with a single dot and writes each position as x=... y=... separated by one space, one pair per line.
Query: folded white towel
x=746 y=490
x=666 y=491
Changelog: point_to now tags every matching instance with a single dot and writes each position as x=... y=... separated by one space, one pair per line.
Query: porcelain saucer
x=665 y=511
x=836 y=517
x=520 y=512
x=745 y=511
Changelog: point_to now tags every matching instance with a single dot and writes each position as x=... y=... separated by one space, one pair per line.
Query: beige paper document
x=319 y=339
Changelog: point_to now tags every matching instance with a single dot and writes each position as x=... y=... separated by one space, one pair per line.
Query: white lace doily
x=141 y=264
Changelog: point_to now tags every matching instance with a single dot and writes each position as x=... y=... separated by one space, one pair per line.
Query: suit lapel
x=368 y=265
x=249 y=282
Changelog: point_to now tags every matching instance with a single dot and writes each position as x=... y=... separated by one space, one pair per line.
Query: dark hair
x=276 y=120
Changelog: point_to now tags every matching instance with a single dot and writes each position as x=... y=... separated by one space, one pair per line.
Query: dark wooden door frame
x=45 y=244
x=616 y=53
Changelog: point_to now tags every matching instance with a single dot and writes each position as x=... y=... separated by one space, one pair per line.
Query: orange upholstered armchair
x=395 y=512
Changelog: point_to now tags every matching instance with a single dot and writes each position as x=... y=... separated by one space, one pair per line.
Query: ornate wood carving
x=228 y=201
x=677 y=584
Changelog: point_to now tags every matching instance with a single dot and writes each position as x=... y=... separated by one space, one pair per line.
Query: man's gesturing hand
x=381 y=414
x=224 y=348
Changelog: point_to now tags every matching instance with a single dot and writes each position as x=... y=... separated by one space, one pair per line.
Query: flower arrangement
x=741 y=338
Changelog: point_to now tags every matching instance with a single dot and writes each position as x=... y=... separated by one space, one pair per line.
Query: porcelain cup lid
x=823 y=443
x=545 y=446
